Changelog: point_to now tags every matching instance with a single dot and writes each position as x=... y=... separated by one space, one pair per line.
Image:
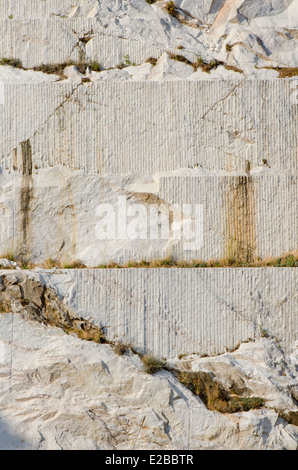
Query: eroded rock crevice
x=34 y=301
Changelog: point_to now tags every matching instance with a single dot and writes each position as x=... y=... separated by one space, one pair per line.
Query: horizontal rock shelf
x=175 y=311
x=48 y=215
x=135 y=127
x=54 y=41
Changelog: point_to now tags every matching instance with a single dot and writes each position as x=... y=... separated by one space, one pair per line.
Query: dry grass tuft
x=122 y=348
x=57 y=69
x=214 y=396
x=199 y=63
x=172 y=9
x=152 y=364
x=75 y=265
x=288 y=260
x=152 y=61
x=284 y=72
x=54 y=69
x=233 y=68
x=180 y=58
x=50 y=263
x=206 y=66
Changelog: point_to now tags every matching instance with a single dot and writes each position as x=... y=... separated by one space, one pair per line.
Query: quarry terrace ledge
x=147 y=127
x=168 y=312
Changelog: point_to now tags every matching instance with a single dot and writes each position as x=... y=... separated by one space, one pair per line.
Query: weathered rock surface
x=245 y=34
x=173 y=311
x=10 y=74
x=198 y=131
x=47 y=215
x=61 y=392
x=258 y=368
x=204 y=105
x=123 y=139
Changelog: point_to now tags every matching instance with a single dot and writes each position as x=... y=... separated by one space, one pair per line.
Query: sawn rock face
x=164 y=115
x=62 y=392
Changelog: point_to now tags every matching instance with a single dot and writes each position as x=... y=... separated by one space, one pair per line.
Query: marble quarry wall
x=66 y=149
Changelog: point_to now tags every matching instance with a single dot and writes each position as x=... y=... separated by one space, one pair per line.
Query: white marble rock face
x=167 y=312
x=146 y=143
x=61 y=392
x=242 y=33
x=79 y=395
x=117 y=122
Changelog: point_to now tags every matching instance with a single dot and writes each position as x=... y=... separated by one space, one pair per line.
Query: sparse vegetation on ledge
x=285 y=72
x=288 y=260
x=54 y=69
x=11 y=62
x=122 y=348
x=205 y=66
x=82 y=66
x=233 y=68
x=152 y=364
x=214 y=395
x=57 y=69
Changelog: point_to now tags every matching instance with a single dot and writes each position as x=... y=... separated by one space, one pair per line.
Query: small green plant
x=289 y=261
x=95 y=66
x=128 y=61
x=166 y=262
x=247 y=403
x=152 y=364
x=264 y=333
x=199 y=62
x=11 y=62
x=10 y=16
